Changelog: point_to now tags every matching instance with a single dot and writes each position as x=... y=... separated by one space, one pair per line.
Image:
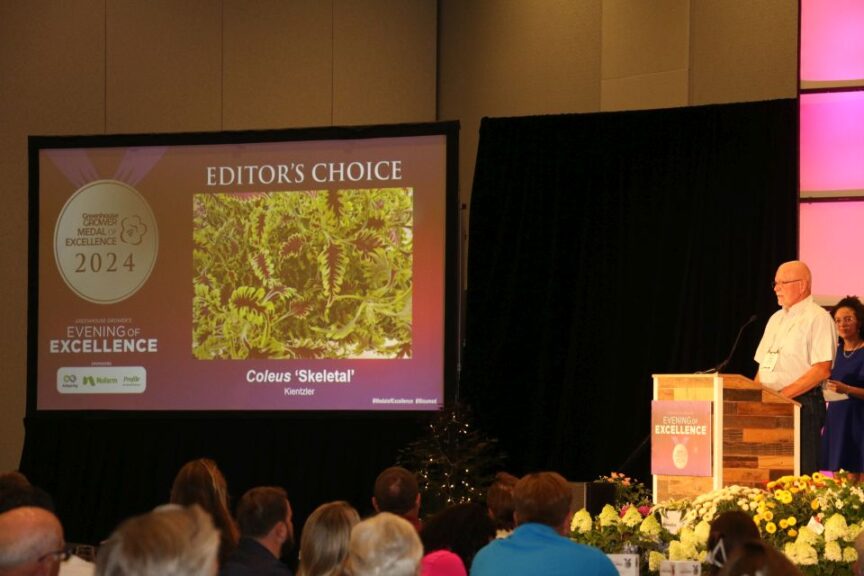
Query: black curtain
x=604 y=248
x=102 y=468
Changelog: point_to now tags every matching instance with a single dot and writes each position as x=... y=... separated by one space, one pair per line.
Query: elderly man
x=31 y=542
x=796 y=354
x=538 y=546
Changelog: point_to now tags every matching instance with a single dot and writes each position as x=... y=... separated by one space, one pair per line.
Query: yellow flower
x=771 y=485
x=791 y=521
x=792 y=533
x=850 y=555
x=817 y=477
x=757 y=519
x=814 y=504
x=771 y=528
x=768 y=515
x=784 y=523
x=654 y=560
x=833 y=552
x=794 y=490
x=581 y=522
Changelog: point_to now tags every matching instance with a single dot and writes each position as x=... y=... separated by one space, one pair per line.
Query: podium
x=754 y=433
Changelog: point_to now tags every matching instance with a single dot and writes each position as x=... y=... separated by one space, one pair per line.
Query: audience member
x=16 y=491
x=499 y=500
x=538 y=545
x=384 y=545
x=266 y=533
x=31 y=542
x=452 y=537
x=755 y=558
x=858 y=567
x=396 y=491
x=201 y=482
x=324 y=543
x=729 y=531
x=169 y=541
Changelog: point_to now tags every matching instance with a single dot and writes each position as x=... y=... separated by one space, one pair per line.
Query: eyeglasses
x=60 y=555
x=775 y=283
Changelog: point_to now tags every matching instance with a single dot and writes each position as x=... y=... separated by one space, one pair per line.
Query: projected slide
x=241 y=274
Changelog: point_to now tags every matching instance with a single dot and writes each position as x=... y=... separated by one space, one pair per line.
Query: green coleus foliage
x=316 y=274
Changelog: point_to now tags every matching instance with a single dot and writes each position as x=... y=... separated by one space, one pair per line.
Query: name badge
x=770 y=361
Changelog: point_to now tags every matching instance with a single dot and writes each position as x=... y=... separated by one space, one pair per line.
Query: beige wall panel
x=743 y=50
x=51 y=82
x=660 y=90
x=514 y=58
x=645 y=37
x=164 y=65
x=278 y=64
x=384 y=61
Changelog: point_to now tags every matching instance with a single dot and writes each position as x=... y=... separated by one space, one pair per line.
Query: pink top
x=442 y=563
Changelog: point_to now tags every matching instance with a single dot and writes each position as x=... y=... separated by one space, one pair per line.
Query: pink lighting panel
x=831 y=244
x=832 y=142
x=832 y=40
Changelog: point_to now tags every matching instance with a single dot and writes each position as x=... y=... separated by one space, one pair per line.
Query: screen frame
x=452 y=306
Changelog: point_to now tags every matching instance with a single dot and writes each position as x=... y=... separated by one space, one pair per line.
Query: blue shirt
x=538 y=550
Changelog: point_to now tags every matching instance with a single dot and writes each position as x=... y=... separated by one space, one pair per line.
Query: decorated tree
x=454 y=461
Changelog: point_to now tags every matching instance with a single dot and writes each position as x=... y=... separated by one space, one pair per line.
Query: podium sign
x=681 y=437
x=751 y=434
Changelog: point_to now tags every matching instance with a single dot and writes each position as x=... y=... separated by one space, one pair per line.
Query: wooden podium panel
x=755 y=433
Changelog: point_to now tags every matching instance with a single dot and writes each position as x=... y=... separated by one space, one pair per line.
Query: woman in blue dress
x=843 y=436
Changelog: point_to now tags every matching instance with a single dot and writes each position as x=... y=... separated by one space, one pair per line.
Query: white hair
x=169 y=541
x=385 y=544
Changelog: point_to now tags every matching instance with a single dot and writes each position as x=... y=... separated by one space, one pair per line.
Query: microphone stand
x=723 y=364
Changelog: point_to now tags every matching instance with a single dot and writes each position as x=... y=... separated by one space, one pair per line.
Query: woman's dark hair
x=728 y=532
x=755 y=557
x=499 y=500
x=462 y=528
x=201 y=482
x=855 y=305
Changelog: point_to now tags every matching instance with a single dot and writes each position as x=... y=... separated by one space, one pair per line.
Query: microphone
x=723 y=364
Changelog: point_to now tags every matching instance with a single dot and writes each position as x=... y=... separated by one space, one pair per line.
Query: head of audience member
x=16 y=491
x=792 y=283
x=499 y=500
x=201 y=482
x=858 y=567
x=31 y=542
x=728 y=532
x=849 y=316
x=396 y=491
x=755 y=558
x=543 y=498
x=169 y=541
x=324 y=543
x=384 y=544
x=462 y=528
x=264 y=514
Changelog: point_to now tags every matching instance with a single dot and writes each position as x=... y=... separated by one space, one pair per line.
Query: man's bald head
x=26 y=535
x=792 y=283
